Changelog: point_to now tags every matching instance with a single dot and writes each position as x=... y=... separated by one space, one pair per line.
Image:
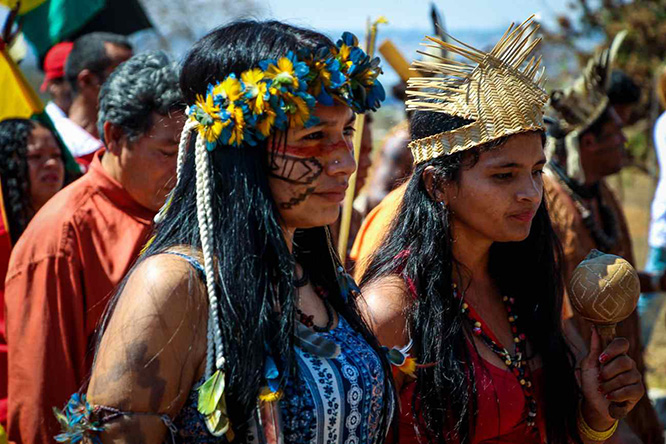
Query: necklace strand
x=308 y=320
x=517 y=364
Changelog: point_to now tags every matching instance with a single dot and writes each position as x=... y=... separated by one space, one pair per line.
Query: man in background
x=92 y=59
x=54 y=81
x=79 y=246
x=586 y=145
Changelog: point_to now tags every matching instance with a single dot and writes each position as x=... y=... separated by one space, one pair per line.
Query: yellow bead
x=477 y=324
x=505 y=298
x=516 y=340
x=522 y=382
x=464 y=306
x=507 y=362
x=511 y=319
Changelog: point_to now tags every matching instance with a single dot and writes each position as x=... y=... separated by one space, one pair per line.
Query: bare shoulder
x=154 y=346
x=384 y=305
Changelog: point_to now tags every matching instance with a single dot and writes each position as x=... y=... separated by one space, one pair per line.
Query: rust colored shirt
x=5 y=251
x=62 y=272
x=577 y=241
x=373 y=229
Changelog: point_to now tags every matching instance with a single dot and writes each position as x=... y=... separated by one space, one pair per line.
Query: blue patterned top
x=328 y=401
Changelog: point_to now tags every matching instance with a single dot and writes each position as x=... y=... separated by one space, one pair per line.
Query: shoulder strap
x=192 y=261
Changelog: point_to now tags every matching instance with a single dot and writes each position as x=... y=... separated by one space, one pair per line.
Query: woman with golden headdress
x=466 y=289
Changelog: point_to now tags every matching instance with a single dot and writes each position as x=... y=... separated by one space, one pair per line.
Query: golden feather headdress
x=580 y=105
x=493 y=91
x=576 y=108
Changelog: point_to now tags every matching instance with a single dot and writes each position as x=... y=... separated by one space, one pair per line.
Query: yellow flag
x=18 y=99
x=26 y=5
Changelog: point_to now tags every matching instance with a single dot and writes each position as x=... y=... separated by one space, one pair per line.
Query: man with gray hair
x=81 y=243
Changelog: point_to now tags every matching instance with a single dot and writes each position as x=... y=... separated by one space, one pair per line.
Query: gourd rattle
x=604 y=290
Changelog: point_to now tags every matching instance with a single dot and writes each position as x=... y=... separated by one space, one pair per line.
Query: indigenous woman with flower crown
x=238 y=324
x=466 y=289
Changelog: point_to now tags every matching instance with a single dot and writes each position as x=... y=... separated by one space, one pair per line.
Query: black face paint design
x=297 y=200
x=295 y=170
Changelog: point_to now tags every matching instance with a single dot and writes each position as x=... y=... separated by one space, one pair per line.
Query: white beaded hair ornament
x=500 y=93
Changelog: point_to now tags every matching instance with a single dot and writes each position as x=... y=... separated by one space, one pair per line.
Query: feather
x=210 y=393
x=212 y=404
x=315 y=343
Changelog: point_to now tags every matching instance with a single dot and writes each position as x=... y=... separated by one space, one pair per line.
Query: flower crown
x=281 y=94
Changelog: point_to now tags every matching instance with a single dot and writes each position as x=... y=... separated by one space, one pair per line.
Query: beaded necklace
x=517 y=364
x=308 y=320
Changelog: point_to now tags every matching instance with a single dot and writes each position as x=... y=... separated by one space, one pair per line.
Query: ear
x=433 y=185
x=86 y=79
x=114 y=138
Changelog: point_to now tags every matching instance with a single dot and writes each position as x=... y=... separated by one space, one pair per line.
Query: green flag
x=55 y=20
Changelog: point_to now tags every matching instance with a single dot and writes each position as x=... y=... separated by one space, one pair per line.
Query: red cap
x=54 y=62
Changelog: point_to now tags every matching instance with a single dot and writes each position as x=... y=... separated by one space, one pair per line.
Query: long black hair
x=14 y=175
x=255 y=272
x=444 y=402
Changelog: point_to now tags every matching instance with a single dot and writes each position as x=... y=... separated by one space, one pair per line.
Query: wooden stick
x=348 y=207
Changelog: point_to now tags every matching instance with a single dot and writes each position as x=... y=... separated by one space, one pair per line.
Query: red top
x=502 y=412
x=501 y=415
x=62 y=272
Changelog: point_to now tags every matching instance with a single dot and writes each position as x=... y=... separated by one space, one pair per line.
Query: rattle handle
x=607 y=334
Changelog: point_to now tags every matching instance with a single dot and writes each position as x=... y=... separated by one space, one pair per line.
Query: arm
x=153 y=350
x=47 y=339
x=383 y=306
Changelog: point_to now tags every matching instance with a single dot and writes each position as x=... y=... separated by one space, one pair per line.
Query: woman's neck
x=472 y=251
x=288 y=234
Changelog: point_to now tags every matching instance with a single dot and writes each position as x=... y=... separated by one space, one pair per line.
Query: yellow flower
x=208 y=115
x=265 y=125
x=256 y=89
x=283 y=72
x=297 y=109
x=230 y=89
x=236 y=112
x=343 y=55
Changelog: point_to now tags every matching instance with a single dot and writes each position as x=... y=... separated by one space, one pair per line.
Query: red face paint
x=318 y=150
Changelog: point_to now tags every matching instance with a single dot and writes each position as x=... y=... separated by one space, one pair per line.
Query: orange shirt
x=373 y=229
x=61 y=274
x=5 y=251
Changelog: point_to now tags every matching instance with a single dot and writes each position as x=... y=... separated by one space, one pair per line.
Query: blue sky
x=410 y=14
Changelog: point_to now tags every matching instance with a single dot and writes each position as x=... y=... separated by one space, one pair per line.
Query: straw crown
x=493 y=91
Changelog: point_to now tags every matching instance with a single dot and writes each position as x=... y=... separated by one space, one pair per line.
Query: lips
x=525 y=216
x=335 y=195
x=50 y=178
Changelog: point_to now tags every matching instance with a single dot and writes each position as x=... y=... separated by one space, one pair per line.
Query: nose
x=341 y=161
x=531 y=189
x=52 y=162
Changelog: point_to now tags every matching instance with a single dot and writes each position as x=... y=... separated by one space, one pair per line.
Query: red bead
x=522 y=336
x=477 y=331
x=514 y=329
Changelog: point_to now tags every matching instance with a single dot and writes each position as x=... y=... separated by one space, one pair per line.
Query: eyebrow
x=323 y=123
x=542 y=161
